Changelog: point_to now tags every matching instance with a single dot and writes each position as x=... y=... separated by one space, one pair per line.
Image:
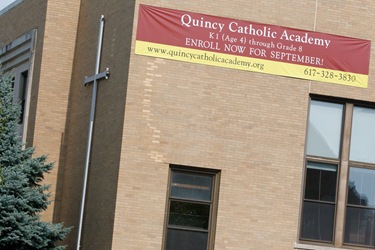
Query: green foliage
x=22 y=196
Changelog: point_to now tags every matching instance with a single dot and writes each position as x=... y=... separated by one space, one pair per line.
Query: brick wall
x=109 y=118
x=250 y=126
x=153 y=112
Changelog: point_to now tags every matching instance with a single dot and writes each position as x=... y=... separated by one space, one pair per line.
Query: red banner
x=231 y=43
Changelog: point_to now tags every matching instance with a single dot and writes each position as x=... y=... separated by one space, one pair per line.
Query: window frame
x=215 y=174
x=343 y=169
x=323 y=160
x=21 y=85
x=330 y=162
x=355 y=164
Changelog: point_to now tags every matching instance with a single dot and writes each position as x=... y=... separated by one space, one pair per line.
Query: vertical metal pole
x=91 y=125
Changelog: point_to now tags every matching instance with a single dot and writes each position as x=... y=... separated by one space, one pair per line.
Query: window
x=360 y=210
x=323 y=149
x=319 y=202
x=19 y=84
x=20 y=88
x=192 y=207
x=339 y=185
x=22 y=94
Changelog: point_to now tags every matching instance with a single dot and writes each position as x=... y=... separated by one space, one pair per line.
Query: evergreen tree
x=22 y=196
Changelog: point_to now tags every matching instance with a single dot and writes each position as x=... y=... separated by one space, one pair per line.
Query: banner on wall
x=230 y=43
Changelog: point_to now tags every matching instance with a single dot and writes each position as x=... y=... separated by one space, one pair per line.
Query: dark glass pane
x=23 y=88
x=328 y=186
x=321 y=182
x=317 y=221
x=312 y=184
x=186 y=240
x=361 y=187
x=189 y=186
x=189 y=214
x=359 y=226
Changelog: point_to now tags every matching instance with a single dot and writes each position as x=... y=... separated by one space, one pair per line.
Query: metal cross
x=94 y=78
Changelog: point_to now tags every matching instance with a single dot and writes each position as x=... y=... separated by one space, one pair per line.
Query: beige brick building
x=192 y=156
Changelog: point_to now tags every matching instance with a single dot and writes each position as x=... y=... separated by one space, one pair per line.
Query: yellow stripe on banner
x=250 y=64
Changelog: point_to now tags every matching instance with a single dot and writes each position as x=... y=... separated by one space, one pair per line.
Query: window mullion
x=343 y=176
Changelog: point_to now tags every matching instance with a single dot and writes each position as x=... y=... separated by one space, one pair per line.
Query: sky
x=4 y=3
